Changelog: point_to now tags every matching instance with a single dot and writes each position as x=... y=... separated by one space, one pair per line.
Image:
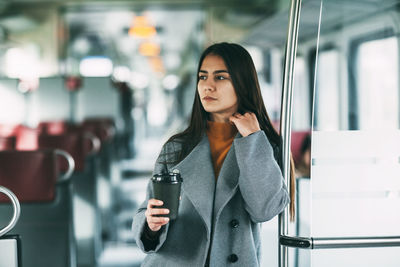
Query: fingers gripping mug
x=167 y=187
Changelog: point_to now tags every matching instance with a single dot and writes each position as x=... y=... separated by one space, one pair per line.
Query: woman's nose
x=209 y=85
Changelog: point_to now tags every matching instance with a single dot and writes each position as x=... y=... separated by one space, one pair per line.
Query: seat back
x=10 y=254
x=8 y=129
x=30 y=174
x=8 y=142
x=27 y=138
x=76 y=141
x=46 y=223
x=52 y=127
x=78 y=144
x=297 y=139
x=103 y=128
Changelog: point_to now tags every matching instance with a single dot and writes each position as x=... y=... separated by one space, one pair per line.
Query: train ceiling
x=104 y=27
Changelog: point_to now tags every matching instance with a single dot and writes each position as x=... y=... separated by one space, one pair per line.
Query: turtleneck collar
x=221 y=130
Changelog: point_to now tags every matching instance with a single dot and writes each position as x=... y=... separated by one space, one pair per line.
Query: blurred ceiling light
x=156 y=64
x=170 y=82
x=139 y=80
x=157 y=111
x=22 y=63
x=149 y=49
x=81 y=45
x=172 y=60
x=19 y=23
x=121 y=74
x=96 y=66
x=141 y=28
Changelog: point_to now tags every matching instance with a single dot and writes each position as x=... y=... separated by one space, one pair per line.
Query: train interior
x=90 y=90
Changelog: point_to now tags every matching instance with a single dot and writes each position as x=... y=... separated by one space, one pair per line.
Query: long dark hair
x=245 y=82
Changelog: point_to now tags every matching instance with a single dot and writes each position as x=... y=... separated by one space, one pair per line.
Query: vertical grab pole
x=286 y=115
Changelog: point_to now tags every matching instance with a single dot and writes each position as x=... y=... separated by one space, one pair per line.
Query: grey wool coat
x=221 y=216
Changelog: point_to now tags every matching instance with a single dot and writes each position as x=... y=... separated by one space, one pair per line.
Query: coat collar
x=199 y=180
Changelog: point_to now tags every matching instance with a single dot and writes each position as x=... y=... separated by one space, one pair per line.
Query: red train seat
x=52 y=127
x=27 y=138
x=83 y=146
x=103 y=128
x=8 y=129
x=8 y=142
x=46 y=222
x=77 y=143
x=297 y=139
x=31 y=175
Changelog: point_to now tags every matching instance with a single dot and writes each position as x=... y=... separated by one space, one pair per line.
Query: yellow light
x=156 y=64
x=142 y=28
x=149 y=49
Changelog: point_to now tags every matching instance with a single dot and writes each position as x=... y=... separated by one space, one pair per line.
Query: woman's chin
x=209 y=109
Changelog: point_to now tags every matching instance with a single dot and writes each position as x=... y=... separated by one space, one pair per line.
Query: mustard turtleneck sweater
x=220 y=136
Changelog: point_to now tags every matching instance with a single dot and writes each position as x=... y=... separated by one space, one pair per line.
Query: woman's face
x=215 y=88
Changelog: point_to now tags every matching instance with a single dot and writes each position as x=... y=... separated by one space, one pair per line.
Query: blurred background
x=110 y=81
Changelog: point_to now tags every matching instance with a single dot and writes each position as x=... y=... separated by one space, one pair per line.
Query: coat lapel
x=227 y=182
x=199 y=180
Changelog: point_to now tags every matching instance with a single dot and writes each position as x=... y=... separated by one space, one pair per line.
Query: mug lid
x=171 y=177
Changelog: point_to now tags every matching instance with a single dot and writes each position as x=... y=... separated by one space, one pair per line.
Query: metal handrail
x=96 y=143
x=17 y=210
x=339 y=242
x=71 y=165
x=286 y=114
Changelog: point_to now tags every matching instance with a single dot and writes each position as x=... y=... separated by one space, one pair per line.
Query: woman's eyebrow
x=220 y=71
x=215 y=72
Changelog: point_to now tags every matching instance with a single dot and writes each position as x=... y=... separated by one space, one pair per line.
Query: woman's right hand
x=154 y=222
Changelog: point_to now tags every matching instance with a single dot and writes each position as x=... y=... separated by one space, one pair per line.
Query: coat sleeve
x=139 y=219
x=260 y=181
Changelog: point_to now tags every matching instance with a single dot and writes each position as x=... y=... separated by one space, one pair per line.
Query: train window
x=28 y=54
x=270 y=79
x=355 y=139
x=257 y=56
x=301 y=99
x=327 y=105
x=267 y=57
x=377 y=84
x=98 y=66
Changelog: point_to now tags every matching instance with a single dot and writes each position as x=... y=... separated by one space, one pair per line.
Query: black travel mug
x=167 y=187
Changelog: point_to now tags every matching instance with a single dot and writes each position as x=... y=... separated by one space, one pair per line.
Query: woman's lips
x=209 y=98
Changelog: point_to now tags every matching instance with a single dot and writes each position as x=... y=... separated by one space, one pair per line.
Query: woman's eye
x=202 y=77
x=220 y=78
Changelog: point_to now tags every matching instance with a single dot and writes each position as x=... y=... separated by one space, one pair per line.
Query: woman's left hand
x=246 y=124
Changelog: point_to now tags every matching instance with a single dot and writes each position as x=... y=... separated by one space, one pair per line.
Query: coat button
x=233 y=258
x=234 y=223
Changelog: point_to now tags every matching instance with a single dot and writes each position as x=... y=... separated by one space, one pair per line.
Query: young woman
x=227 y=158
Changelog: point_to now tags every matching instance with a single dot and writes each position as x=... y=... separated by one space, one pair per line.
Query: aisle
x=135 y=173
x=123 y=252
